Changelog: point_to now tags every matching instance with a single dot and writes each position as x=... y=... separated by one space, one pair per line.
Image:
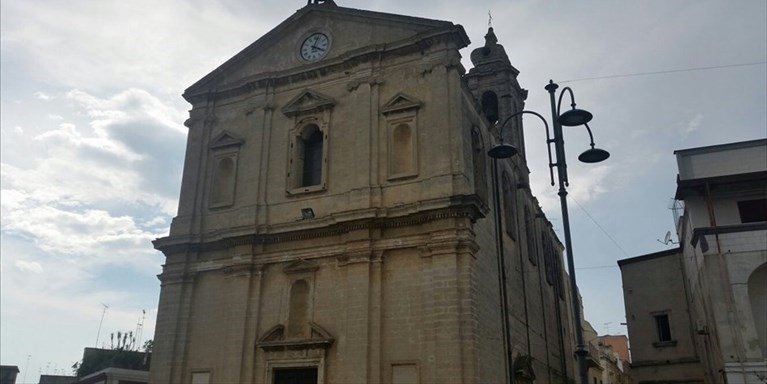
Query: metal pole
x=559 y=145
x=502 y=277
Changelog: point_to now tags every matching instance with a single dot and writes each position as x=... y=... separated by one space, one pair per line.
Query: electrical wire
x=664 y=72
x=600 y=227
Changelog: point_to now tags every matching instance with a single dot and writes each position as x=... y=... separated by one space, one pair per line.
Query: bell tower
x=493 y=83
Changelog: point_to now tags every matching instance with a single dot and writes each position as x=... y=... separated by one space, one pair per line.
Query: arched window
x=311 y=141
x=490 y=106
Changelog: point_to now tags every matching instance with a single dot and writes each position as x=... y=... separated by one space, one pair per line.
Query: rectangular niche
x=402 y=136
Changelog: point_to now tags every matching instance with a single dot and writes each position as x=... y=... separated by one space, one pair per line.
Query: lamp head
x=575 y=117
x=502 y=151
x=593 y=155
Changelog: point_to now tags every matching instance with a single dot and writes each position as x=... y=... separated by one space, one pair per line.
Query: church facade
x=336 y=218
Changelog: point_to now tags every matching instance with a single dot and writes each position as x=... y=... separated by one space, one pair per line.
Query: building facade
x=699 y=313
x=336 y=223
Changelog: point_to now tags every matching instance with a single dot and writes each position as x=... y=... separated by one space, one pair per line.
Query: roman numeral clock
x=315 y=47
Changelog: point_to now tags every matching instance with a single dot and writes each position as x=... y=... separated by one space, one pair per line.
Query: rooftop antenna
x=667 y=239
x=26 y=368
x=140 y=328
x=104 y=312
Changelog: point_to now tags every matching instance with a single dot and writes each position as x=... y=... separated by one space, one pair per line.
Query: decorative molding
x=371 y=80
x=275 y=339
x=365 y=256
x=308 y=102
x=401 y=103
x=169 y=278
x=238 y=270
x=300 y=266
x=225 y=140
x=461 y=206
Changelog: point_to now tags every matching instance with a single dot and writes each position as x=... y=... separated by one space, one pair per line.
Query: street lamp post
x=570 y=118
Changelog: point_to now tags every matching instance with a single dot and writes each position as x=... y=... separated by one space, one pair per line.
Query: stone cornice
x=464 y=206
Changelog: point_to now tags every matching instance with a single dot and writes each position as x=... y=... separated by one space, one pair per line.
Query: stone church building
x=336 y=219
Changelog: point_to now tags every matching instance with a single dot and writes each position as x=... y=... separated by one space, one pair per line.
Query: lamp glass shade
x=594 y=155
x=502 y=151
x=575 y=117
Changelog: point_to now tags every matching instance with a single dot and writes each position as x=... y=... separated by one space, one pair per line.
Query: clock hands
x=316 y=48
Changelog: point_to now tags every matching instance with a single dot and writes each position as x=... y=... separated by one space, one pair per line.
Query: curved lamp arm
x=562 y=94
x=591 y=136
x=549 y=141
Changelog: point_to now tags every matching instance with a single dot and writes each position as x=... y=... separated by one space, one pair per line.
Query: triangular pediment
x=401 y=102
x=275 y=339
x=224 y=140
x=301 y=266
x=308 y=102
x=352 y=33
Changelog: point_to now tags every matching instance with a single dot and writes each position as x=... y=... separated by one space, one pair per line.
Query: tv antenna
x=667 y=239
x=104 y=312
x=140 y=328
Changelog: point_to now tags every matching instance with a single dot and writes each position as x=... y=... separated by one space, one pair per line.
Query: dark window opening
x=509 y=204
x=752 y=211
x=663 y=326
x=312 y=167
x=304 y=375
x=547 y=260
x=478 y=157
x=532 y=253
x=490 y=106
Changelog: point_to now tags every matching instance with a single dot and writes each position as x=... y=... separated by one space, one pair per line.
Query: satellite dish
x=667 y=239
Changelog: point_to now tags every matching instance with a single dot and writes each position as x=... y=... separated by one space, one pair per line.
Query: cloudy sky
x=92 y=136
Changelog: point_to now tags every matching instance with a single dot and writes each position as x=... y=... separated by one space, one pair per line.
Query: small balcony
x=738 y=238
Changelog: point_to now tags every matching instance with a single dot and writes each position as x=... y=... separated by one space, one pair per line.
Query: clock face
x=315 y=47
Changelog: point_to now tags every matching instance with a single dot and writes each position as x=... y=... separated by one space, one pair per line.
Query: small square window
x=753 y=211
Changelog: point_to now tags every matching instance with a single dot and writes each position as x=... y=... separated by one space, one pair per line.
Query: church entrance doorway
x=302 y=375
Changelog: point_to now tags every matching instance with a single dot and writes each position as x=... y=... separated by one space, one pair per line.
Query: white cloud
x=86 y=44
x=41 y=96
x=55 y=117
x=693 y=124
x=28 y=266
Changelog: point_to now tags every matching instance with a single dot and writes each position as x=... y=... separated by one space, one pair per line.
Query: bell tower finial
x=489 y=19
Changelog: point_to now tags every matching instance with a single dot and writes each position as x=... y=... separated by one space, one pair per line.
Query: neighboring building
x=57 y=379
x=335 y=221
x=8 y=374
x=619 y=344
x=99 y=359
x=699 y=313
x=115 y=376
x=614 y=359
x=593 y=362
x=608 y=357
